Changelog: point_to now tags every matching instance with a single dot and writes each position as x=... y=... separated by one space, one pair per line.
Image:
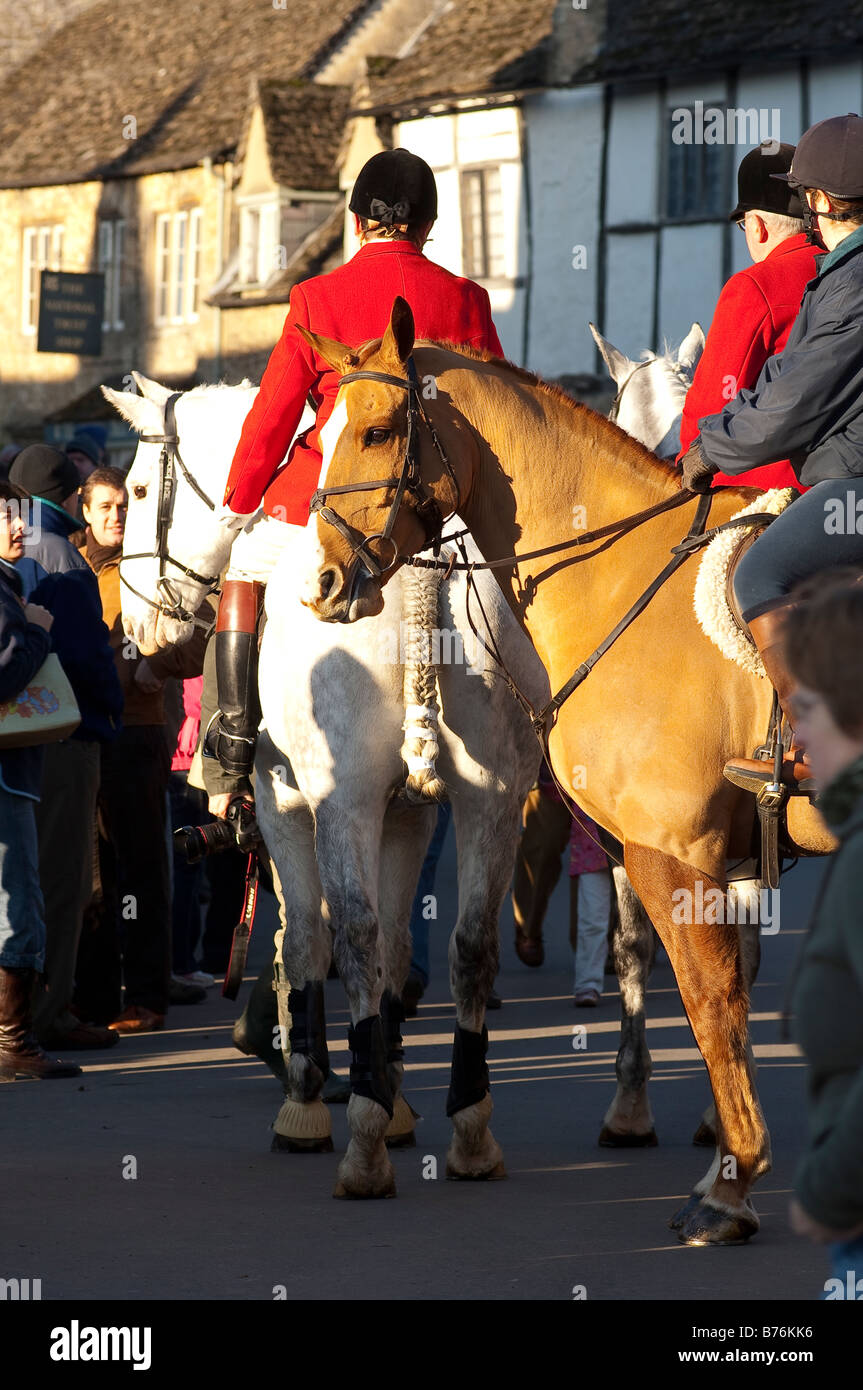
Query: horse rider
x=757 y=306
x=394 y=202
x=807 y=404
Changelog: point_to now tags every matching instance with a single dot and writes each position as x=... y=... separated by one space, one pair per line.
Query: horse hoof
x=704 y=1137
x=680 y=1218
x=491 y=1175
x=710 y=1225
x=351 y=1194
x=282 y=1144
x=614 y=1139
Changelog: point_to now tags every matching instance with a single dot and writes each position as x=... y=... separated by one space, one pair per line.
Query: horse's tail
x=420 y=748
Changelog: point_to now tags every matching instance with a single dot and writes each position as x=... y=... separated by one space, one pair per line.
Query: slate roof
x=304 y=124
x=182 y=68
x=476 y=46
x=652 y=38
x=480 y=47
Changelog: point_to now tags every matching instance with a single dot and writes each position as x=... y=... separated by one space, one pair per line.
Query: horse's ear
x=340 y=357
x=140 y=412
x=691 y=348
x=398 y=341
x=618 y=365
x=153 y=390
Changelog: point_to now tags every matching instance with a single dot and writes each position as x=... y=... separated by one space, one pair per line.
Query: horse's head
x=178 y=536
x=650 y=393
x=387 y=482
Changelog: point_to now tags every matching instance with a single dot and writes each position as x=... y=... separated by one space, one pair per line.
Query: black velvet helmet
x=395 y=187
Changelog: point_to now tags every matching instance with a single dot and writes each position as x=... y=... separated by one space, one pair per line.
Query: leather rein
x=169 y=604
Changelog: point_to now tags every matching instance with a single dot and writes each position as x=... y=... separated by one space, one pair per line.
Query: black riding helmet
x=395 y=187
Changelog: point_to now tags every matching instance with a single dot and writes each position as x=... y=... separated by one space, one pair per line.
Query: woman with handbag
x=24 y=646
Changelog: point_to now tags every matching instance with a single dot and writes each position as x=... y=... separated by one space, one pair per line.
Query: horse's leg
x=487 y=834
x=743 y=891
x=406 y=835
x=707 y=965
x=303 y=951
x=348 y=835
x=629 y=1120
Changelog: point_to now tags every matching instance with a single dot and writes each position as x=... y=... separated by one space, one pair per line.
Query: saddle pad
x=711 y=601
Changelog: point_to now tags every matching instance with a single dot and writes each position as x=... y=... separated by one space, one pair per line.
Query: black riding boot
x=232 y=734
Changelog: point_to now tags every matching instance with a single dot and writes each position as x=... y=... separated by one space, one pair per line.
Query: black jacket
x=56 y=575
x=807 y=404
x=23 y=648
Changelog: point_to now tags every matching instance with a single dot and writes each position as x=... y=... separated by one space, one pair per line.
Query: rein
x=169 y=604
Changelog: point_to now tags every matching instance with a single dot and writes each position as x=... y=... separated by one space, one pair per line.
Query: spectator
x=24 y=644
x=55 y=575
x=824 y=651
x=547 y=826
x=188 y=807
x=590 y=909
x=134 y=775
x=85 y=454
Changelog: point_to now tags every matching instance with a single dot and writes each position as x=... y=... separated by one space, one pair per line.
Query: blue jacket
x=807 y=404
x=56 y=575
x=23 y=648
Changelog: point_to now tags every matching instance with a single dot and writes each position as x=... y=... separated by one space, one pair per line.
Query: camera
x=239 y=830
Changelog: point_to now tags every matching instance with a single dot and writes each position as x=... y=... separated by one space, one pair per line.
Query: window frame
x=47 y=240
x=473 y=174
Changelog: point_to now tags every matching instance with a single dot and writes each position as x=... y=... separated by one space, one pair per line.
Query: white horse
x=346 y=852
x=651 y=392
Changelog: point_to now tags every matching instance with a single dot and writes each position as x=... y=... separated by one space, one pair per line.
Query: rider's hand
x=697 y=472
x=39 y=616
x=218 y=805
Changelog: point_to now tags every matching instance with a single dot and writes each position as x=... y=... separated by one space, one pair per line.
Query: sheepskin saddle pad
x=714 y=605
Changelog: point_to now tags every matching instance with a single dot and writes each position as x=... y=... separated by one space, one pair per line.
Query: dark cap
x=45 y=472
x=395 y=186
x=85 y=444
x=757 y=188
x=830 y=157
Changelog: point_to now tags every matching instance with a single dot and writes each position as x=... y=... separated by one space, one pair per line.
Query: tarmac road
x=212 y=1213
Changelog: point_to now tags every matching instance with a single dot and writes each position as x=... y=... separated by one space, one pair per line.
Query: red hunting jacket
x=352 y=304
x=753 y=318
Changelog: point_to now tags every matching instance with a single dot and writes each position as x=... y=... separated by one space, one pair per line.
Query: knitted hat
x=45 y=472
x=85 y=444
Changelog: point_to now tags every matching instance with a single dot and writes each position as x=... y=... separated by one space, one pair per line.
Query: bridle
x=614 y=410
x=170 y=603
x=408 y=481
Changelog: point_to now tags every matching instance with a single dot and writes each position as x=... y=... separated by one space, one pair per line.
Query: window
x=42 y=250
x=483 y=224
x=695 y=172
x=258 y=238
x=178 y=266
x=112 y=237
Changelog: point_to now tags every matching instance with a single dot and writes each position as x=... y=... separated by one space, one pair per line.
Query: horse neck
x=546 y=466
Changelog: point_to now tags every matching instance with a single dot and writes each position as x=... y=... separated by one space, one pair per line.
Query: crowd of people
x=100 y=929
x=91 y=901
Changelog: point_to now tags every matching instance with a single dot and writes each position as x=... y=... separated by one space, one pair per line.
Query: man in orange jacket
x=757 y=306
x=394 y=202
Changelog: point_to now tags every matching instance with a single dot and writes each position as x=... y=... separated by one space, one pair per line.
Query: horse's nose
x=326 y=581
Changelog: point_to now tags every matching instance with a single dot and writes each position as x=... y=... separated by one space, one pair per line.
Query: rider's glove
x=697 y=471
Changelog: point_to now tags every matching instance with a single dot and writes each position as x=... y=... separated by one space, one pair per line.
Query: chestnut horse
x=643 y=740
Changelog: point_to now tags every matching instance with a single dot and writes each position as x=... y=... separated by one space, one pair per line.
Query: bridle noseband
x=409 y=480
x=169 y=604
